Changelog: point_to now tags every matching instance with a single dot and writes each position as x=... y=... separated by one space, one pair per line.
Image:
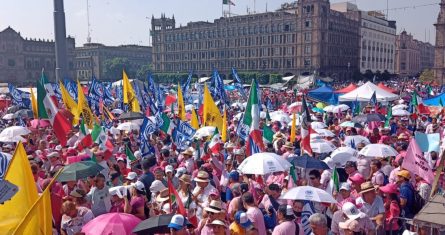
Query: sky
x=118 y=22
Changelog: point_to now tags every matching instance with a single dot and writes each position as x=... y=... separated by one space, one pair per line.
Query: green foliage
x=427 y=76
x=368 y=74
x=143 y=71
x=112 y=68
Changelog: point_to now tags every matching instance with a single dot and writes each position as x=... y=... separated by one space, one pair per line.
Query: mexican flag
x=252 y=119
x=215 y=142
x=85 y=137
x=167 y=125
x=268 y=134
x=48 y=109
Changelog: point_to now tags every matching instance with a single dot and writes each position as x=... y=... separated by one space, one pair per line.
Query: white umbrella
x=13 y=139
x=205 y=131
x=400 y=112
x=344 y=154
x=263 y=163
x=315 y=136
x=263 y=115
x=356 y=139
x=139 y=121
x=189 y=107
x=117 y=111
x=318 y=125
x=128 y=126
x=308 y=193
x=321 y=146
x=329 y=108
x=8 y=116
x=280 y=116
x=378 y=150
x=324 y=132
x=15 y=131
x=399 y=106
x=238 y=116
x=295 y=104
x=340 y=108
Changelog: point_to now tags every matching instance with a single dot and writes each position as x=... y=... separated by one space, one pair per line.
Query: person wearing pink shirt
x=253 y=213
x=290 y=150
x=286 y=222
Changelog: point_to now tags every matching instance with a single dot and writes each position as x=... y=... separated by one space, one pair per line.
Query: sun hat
x=242 y=219
x=288 y=145
x=186 y=179
x=238 y=152
x=157 y=186
x=202 y=176
x=366 y=187
x=389 y=188
x=78 y=193
x=188 y=152
x=214 y=207
x=404 y=173
x=218 y=222
x=351 y=211
x=163 y=195
x=177 y=222
x=345 y=186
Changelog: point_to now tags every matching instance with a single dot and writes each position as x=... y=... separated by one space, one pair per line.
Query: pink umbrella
x=111 y=223
x=36 y=123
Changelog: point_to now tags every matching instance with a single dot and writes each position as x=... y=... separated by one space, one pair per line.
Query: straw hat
x=289 y=145
x=366 y=187
x=187 y=152
x=202 y=176
x=218 y=222
x=163 y=195
x=186 y=179
x=214 y=207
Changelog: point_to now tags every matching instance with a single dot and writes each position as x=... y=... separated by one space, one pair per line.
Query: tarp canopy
x=435 y=100
x=432 y=214
x=388 y=89
x=364 y=94
x=347 y=89
x=324 y=94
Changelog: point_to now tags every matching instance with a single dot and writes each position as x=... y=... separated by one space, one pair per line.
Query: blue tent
x=324 y=94
x=434 y=101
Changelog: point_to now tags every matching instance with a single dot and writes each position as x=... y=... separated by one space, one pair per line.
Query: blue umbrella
x=317 y=110
x=308 y=162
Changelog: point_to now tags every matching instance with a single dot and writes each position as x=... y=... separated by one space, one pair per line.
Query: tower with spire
x=439 y=52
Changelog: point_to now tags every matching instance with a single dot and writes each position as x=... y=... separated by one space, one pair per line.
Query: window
x=307 y=49
x=307 y=62
x=307 y=37
x=308 y=23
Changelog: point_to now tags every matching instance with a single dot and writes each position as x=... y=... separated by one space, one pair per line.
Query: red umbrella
x=39 y=123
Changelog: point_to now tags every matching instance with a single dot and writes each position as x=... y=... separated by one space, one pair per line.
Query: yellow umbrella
x=320 y=105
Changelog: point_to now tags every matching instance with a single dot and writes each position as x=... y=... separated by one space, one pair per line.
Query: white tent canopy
x=364 y=93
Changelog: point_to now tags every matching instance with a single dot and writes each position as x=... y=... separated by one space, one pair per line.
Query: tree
x=143 y=71
x=368 y=74
x=427 y=76
x=113 y=68
x=386 y=75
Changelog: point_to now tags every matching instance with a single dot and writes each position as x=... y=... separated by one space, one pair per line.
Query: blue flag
x=4 y=163
x=71 y=87
x=373 y=99
x=238 y=84
x=186 y=130
x=185 y=87
x=151 y=87
x=19 y=97
x=57 y=91
x=148 y=127
x=308 y=210
x=242 y=130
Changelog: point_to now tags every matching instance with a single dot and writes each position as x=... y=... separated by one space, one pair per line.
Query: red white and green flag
x=48 y=109
x=305 y=143
x=252 y=119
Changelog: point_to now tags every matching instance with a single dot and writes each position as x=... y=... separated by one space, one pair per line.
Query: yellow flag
x=41 y=210
x=83 y=108
x=211 y=114
x=69 y=102
x=224 y=127
x=34 y=104
x=293 y=129
x=14 y=210
x=194 y=122
x=129 y=94
x=181 y=107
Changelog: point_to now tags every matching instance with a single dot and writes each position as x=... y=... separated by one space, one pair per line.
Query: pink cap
x=389 y=188
x=357 y=178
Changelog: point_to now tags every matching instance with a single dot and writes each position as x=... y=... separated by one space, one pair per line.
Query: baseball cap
x=234 y=175
x=131 y=175
x=345 y=186
x=58 y=148
x=404 y=173
x=242 y=219
x=351 y=211
x=139 y=186
x=177 y=222
x=169 y=168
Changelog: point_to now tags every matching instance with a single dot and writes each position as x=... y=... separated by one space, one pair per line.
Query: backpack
x=419 y=202
x=385 y=179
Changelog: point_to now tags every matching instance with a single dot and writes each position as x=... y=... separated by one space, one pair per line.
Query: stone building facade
x=439 y=51
x=90 y=58
x=412 y=56
x=22 y=59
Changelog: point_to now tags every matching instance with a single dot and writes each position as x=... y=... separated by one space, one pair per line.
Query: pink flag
x=415 y=163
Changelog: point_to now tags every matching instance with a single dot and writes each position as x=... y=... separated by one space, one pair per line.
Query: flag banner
x=268 y=134
x=186 y=129
x=83 y=107
x=211 y=114
x=159 y=120
x=71 y=87
x=4 y=163
x=428 y=142
x=19 y=97
x=252 y=117
x=181 y=141
x=151 y=86
x=415 y=163
x=119 y=96
x=160 y=99
x=129 y=95
x=147 y=128
x=269 y=104
x=108 y=96
x=305 y=128
x=181 y=106
x=185 y=87
x=308 y=210
x=238 y=84
x=56 y=89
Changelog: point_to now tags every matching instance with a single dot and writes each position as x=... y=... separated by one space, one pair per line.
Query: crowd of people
x=373 y=194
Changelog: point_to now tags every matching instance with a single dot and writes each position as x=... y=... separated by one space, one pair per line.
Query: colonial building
x=439 y=52
x=263 y=42
x=377 y=38
x=327 y=40
x=412 y=56
x=22 y=59
x=91 y=57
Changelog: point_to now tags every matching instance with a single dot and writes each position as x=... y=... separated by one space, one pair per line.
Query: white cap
x=138 y=154
x=169 y=168
x=139 y=186
x=132 y=175
x=177 y=222
x=166 y=208
x=53 y=154
x=157 y=186
x=346 y=186
x=58 y=147
x=351 y=211
x=180 y=171
x=289 y=210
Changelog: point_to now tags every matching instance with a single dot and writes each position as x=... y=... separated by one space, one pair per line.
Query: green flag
x=93 y=158
x=388 y=116
x=414 y=99
x=165 y=127
x=292 y=174
x=335 y=180
x=440 y=102
x=268 y=116
x=97 y=129
x=130 y=155
x=268 y=133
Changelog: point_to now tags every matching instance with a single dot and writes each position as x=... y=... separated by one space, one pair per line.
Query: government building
x=301 y=37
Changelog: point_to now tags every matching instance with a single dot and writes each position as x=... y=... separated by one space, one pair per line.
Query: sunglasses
x=312 y=178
